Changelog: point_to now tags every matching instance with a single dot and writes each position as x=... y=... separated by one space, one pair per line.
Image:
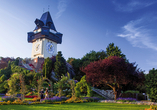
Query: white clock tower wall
x=42 y=52
x=37 y=49
x=45 y=52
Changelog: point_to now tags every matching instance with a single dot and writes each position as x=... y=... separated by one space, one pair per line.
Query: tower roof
x=46 y=21
x=45 y=29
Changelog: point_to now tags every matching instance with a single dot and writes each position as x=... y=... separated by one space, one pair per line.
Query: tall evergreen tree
x=60 y=65
x=112 y=50
x=47 y=68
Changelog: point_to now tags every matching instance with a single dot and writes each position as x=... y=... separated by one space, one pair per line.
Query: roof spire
x=43 y=10
x=45 y=20
x=48 y=7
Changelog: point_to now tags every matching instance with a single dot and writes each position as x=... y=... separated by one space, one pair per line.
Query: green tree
x=112 y=50
x=66 y=84
x=47 y=68
x=16 y=62
x=13 y=83
x=18 y=69
x=92 y=56
x=84 y=61
x=70 y=60
x=34 y=83
x=60 y=65
x=82 y=88
x=6 y=71
x=151 y=84
x=2 y=83
x=22 y=86
x=76 y=64
x=113 y=72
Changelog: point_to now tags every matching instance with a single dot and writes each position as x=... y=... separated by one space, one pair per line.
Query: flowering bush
x=126 y=99
x=151 y=108
x=14 y=103
x=92 y=99
x=63 y=98
x=32 y=93
x=18 y=100
x=75 y=100
x=36 y=99
x=8 y=98
x=1 y=94
x=29 y=96
x=53 y=99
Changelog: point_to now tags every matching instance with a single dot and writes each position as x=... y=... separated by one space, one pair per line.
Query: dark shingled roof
x=47 y=21
x=45 y=29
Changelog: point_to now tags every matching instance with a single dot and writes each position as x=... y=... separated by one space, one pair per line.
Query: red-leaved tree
x=114 y=72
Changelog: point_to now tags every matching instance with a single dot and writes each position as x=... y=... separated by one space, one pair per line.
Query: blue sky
x=86 y=25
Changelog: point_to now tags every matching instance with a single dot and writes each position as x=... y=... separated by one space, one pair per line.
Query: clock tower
x=44 y=37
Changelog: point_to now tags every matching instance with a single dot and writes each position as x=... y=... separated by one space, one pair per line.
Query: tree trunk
x=60 y=91
x=115 y=92
x=115 y=96
x=114 y=88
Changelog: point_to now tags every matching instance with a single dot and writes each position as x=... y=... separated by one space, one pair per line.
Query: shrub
x=51 y=94
x=141 y=96
x=68 y=96
x=53 y=99
x=83 y=87
x=58 y=94
x=126 y=99
x=32 y=93
x=36 y=99
x=1 y=94
x=8 y=98
x=63 y=98
x=131 y=91
x=92 y=99
x=18 y=100
x=151 y=108
x=75 y=100
x=31 y=96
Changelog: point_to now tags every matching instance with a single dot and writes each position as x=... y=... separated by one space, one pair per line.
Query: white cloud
x=139 y=33
x=62 y=5
x=132 y=5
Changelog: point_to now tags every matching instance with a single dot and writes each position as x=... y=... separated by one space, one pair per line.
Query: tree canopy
x=151 y=84
x=112 y=50
x=92 y=56
x=112 y=71
x=84 y=61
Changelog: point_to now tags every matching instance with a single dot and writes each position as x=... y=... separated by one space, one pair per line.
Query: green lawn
x=75 y=106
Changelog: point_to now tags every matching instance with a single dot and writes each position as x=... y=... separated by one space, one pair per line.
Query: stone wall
x=108 y=93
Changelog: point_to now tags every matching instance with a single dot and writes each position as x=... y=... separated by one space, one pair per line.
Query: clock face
x=50 y=48
x=37 y=47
